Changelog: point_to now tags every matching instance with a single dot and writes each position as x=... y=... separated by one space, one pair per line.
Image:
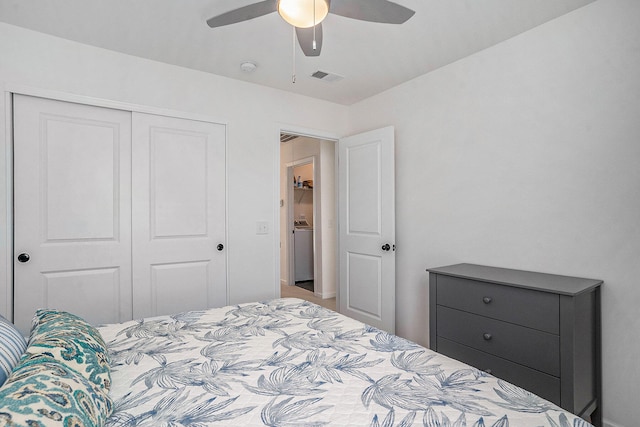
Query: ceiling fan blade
x=382 y=11
x=305 y=40
x=245 y=13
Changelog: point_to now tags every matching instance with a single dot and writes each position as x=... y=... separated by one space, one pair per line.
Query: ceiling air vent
x=327 y=77
x=286 y=137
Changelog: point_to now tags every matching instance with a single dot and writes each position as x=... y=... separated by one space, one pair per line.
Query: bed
x=289 y=362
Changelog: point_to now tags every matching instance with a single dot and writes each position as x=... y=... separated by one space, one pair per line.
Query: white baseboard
x=607 y=423
x=326 y=296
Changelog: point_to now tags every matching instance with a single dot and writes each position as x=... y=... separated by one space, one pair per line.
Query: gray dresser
x=538 y=331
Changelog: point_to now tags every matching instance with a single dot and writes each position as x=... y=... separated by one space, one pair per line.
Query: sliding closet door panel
x=178 y=185
x=72 y=179
x=170 y=291
x=178 y=215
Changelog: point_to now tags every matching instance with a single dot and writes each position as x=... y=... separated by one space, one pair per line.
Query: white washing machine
x=303 y=250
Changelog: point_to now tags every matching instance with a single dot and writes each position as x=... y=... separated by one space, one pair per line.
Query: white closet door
x=72 y=204
x=179 y=260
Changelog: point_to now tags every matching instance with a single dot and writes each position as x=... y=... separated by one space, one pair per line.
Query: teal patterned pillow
x=42 y=392
x=12 y=345
x=72 y=341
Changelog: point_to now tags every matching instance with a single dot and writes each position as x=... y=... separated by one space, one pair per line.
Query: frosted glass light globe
x=299 y=13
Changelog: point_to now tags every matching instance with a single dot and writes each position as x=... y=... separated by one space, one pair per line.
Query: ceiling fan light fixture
x=300 y=13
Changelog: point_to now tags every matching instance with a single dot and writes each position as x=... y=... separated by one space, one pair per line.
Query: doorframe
x=290 y=195
x=280 y=128
x=6 y=207
x=6 y=169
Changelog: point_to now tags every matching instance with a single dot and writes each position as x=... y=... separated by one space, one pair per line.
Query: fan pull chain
x=293 y=71
x=314 y=24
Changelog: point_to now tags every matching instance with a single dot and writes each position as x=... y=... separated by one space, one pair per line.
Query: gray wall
x=527 y=155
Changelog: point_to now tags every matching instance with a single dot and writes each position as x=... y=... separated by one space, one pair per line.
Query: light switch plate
x=262 y=227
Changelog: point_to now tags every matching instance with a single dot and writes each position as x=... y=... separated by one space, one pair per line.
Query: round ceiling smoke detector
x=248 y=67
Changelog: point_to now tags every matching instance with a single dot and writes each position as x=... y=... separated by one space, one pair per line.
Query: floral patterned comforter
x=288 y=362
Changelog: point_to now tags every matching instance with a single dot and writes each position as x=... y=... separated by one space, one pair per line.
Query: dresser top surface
x=565 y=285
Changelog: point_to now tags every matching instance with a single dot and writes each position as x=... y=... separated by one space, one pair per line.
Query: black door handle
x=24 y=257
x=220 y=247
x=386 y=247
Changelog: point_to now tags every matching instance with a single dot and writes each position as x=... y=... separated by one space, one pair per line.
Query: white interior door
x=72 y=204
x=179 y=215
x=367 y=228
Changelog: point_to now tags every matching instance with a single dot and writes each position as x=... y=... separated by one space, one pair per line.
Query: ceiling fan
x=307 y=16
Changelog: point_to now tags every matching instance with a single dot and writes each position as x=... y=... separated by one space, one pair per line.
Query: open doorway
x=301 y=212
x=308 y=241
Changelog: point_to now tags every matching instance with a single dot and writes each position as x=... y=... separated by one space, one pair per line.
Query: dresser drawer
x=529 y=347
x=534 y=309
x=544 y=385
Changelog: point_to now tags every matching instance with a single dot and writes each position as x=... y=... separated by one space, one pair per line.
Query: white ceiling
x=371 y=57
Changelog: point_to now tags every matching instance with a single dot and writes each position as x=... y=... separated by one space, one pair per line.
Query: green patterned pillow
x=72 y=341
x=43 y=392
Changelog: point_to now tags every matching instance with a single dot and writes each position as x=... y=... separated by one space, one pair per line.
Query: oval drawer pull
x=487 y=300
x=487 y=336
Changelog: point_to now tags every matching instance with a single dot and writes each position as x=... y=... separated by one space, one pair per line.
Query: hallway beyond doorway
x=306 y=284
x=296 y=292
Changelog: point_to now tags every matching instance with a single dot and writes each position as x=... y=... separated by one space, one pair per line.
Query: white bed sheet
x=288 y=362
